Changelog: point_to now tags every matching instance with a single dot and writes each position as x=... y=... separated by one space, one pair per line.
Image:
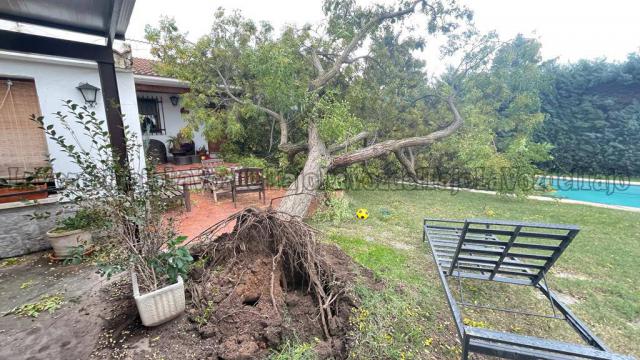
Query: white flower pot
x=63 y=242
x=161 y=305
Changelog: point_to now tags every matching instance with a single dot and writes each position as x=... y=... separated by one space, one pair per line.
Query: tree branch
x=316 y=61
x=293 y=149
x=284 y=127
x=352 y=140
x=326 y=76
x=389 y=146
x=408 y=164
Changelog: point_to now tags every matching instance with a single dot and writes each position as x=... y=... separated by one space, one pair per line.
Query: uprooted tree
x=342 y=92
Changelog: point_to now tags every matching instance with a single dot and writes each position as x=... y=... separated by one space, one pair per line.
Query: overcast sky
x=568 y=29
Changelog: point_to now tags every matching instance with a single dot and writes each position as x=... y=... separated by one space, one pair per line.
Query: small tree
x=132 y=202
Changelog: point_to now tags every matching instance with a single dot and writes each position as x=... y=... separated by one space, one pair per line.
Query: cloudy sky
x=568 y=29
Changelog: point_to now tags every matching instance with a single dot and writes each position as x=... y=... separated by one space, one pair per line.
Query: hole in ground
x=251 y=299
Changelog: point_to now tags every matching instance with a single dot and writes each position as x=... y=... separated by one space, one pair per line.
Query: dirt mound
x=267 y=281
x=250 y=291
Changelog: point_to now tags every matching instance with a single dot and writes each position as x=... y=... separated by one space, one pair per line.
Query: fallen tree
x=301 y=79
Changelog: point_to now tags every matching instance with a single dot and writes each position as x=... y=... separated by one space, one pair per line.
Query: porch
x=161 y=114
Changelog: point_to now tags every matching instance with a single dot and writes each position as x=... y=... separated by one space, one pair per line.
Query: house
x=38 y=84
x=34 y=84
x=159 y=103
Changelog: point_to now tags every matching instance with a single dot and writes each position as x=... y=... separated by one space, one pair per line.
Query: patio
x=205 y=212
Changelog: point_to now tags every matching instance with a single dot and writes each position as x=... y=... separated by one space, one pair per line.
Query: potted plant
x=174 y=143
x=72 y=233
x=132 y=206
x=175 y=148
x=162 y=304
x=34 y=186
x=181 y=147
x=202 y=153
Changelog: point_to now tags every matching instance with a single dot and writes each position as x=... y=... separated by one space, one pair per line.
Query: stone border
x=530 y=197
x=18 y=204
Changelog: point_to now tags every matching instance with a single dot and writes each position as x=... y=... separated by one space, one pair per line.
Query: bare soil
x=241 y=304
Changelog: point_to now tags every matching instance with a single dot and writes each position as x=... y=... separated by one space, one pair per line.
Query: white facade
x=56 y=80
x=172 y=116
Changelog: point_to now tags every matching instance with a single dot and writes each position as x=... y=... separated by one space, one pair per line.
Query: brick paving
x=205 y=212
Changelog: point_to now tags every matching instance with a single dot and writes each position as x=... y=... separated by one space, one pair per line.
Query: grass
x=409 y=317
x=11 y=262
x=294 y=350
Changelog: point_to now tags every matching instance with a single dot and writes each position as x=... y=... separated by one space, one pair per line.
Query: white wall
x=56 y=80
x=173 y=121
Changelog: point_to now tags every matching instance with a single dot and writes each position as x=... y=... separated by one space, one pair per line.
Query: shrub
x=336 y=211
x=131 y=205
x=252 y=161
x=83 y=219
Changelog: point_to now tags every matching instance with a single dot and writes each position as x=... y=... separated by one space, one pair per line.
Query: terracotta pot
x=338 y=194
x=63 y=242
x=161 y=305
x=23 y=194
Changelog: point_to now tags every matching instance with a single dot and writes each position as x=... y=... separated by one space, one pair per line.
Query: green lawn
x=409 y=318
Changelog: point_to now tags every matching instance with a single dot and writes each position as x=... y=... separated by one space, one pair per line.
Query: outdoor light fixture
x=89 y=93
x=174 y=100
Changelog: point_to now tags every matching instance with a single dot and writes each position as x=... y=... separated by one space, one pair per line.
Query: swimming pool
x=608 y=192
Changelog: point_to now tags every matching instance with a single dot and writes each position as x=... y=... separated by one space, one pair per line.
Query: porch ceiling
x=105 y=18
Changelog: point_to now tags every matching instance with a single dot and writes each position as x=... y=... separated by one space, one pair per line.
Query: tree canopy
x=353 y=88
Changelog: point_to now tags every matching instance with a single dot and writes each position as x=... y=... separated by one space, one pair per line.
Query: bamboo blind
x=23 y=145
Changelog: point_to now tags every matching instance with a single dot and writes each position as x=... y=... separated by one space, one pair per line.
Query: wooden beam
x=161 y=89
x=27 y=43
x=107 y=72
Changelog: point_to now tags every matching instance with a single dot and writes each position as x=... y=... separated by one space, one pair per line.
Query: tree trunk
x=319 y=161
x=408 y=163
x=303 y=191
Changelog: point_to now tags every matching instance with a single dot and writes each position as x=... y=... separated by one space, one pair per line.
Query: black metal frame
x=471 y=249
x=161 y=125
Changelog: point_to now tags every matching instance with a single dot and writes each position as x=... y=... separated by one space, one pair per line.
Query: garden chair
x=175 y=194
x=248 y=180
x=216 y=183
x=515 y=253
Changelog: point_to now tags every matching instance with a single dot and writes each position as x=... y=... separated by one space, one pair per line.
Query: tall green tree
x=502 y=109
x=593 y=117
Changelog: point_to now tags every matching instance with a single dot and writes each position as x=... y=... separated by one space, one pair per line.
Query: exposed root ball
x=266 y=280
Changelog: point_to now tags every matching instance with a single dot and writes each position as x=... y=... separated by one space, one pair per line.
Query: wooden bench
x=248 y=180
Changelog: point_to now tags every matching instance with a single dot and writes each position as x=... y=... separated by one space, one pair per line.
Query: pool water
x=603 y=192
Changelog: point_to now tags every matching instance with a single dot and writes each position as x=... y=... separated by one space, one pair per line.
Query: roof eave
x=158 y=80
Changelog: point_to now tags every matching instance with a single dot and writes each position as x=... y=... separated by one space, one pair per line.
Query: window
x=151 y=115
x=23 y=147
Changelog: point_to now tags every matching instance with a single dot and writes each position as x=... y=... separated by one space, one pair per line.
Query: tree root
x=293 y=248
